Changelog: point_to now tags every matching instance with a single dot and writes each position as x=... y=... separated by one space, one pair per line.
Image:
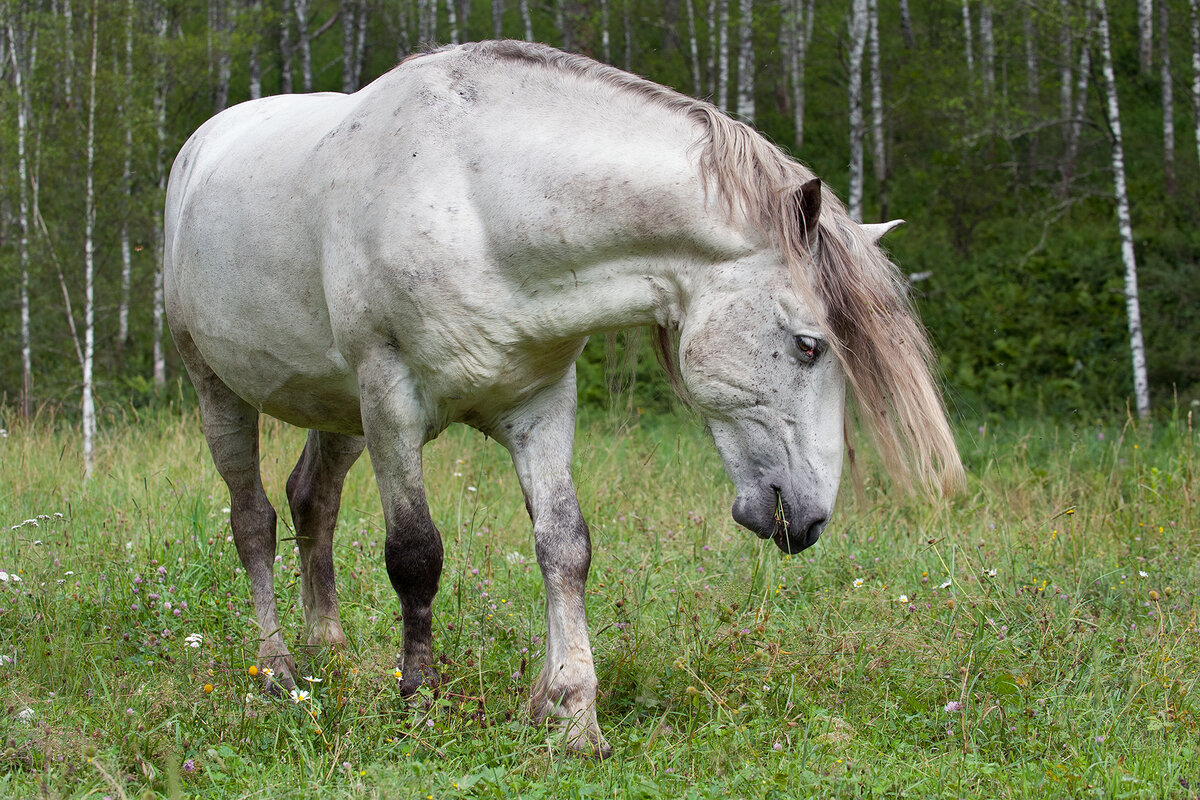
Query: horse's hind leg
x=314 y=493
x=231 y=428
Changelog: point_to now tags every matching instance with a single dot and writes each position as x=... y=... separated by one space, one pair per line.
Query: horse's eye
x=809 y=348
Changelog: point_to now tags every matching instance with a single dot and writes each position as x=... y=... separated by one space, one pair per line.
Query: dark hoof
x=425 y=676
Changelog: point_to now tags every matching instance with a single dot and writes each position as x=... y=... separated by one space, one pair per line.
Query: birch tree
x=285 y=48
x=1141 y=386
x=526 y=19
x=1168 y=99
x=161 y=90
x=88 y=406
x=498 y=19
x=349 y=29
x=858 y=39
x=745 y=103
x=255 y=67
x=801 y=24
x=126 y=182
x=605 y=39
x=693 y=44
x=303 y=41
x=1195 y=9
x=878 y=150
x=987 y=46
x=1065 y=42
x=22 y=51
x=1145 y=19
x=967 y=38
x=906 y=25
x=1031 y=59
x=452 y=19
x=722 y=98
x=1075 y=114
x=222 y=16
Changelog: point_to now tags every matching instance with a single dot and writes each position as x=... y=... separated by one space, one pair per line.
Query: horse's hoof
x=425 y=676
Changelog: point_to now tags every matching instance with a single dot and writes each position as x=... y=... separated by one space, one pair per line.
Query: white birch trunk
x=605 y=38
x=1075 y=114
x=878 y=148
x=126 y=183
x=88 y=409
x=560 y=22
x=360 y=43
x=1168 y=98
x=1137 y=347
x=710 y=22
x=1195 y=9
x=285 y=49
x=802 y=25
x=1065 y=40
x=20 y=57
x=303 y=40
x=967 y=37
x=160 y=154
x=346 y=8
x=497 y=19
x=1145 y=12
x=1031 y=60
x=627 y=24
x=69 y=46
x=858 y=39
x=526 y=19
x=255 y=65
x=693 y=45
x=723 y=54
x=906 y=24
x=222 y=15
x=987 y=46
x=746 y=66
x=452 y=18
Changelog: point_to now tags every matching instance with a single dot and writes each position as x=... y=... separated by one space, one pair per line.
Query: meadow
x=1034 y=636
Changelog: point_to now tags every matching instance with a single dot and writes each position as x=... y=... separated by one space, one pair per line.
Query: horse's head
x=761 y=369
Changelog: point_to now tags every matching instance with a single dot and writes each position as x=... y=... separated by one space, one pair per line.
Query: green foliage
x=1025 y=294
x=1045 y=645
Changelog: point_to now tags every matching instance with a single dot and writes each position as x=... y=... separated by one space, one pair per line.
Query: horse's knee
x=564 y=545
x=413 y=554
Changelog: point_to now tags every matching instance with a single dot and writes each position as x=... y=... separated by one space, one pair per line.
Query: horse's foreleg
x=540 y=436
x=314 y=493
x=396 y=426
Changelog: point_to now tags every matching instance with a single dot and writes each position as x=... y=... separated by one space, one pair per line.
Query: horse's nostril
x=814 y=531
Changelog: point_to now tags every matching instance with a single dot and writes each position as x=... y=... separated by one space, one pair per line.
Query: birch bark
x=1031 y=60
x=745 y=103
x=222 y=15
x=693 y=44
x=1133 y=312
x=498 y=19
x=160 y=154
x=254 y=68
x=1145 y=12
x=605 y=39
x=987 y=45
x=1195 y=9
x=1168 y=99
x=88 y=406
x=906 y=24
x=1075 y=114
x=878 y=149
x=304 y=41
x=285 y=48
x=348 y=30
x=723 y=54
x=1065 y=42
x=526 y=20
x=967 y=37
x=20 y=52
x=858 y=38
x=126 y=183
x=452 y=18
x=802 y=24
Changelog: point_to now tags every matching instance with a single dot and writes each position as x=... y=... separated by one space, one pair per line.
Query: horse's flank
x=868 y=314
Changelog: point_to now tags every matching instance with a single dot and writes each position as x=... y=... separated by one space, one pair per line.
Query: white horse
x=437 y=248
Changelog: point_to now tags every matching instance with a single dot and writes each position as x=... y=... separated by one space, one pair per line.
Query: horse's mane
x=868 y=315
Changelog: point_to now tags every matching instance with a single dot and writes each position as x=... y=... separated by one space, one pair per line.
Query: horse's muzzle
x=791 y=526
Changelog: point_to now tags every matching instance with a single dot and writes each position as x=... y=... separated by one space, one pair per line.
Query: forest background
x=986 y=124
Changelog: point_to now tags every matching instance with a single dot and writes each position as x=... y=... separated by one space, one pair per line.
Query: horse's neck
x=608 y=231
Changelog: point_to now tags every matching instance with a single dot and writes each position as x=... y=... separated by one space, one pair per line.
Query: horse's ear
x=808 y=207
x=877 y=230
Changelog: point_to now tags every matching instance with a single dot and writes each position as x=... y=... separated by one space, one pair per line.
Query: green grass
x=725 y=668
